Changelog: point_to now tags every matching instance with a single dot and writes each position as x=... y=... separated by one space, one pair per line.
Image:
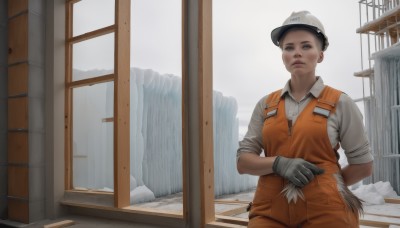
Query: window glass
x=92 y=140
x=96 y=55
x=156 y=104
x=90 y=15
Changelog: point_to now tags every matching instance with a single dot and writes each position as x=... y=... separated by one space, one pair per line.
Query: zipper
x=290 y=127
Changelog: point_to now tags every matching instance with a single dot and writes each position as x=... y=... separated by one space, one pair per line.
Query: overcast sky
x=246 y=63
x=246 y=60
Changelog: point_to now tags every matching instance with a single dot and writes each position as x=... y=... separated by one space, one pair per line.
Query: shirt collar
x=315 y=90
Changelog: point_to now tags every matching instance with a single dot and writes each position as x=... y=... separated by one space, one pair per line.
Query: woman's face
x=301 y=51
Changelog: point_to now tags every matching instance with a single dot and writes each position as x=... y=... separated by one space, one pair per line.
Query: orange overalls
x=308 y=139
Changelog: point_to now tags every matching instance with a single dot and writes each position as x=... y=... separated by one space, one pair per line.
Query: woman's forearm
x=253 y=164
x=356 y=172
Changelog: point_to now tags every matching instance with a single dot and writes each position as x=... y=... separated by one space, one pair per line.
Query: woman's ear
x=321 y=57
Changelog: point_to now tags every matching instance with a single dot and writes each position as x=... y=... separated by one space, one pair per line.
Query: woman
x=299 y=128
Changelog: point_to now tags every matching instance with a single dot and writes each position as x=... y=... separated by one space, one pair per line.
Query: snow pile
x=141 y=194
x=375 y=194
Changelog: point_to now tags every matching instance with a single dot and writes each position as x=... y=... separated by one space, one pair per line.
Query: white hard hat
x=301 y=19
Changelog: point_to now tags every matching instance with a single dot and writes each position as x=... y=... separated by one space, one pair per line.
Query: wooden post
x=197 y=113
x=68 y=96
x=122 y=103
x=206 y=111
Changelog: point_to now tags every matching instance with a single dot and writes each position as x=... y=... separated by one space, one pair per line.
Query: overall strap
x=326 y=105
x=272 y=101
x=326 y=102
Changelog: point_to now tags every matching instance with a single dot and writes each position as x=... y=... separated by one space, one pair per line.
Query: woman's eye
x=307 y=46
x=288 y=48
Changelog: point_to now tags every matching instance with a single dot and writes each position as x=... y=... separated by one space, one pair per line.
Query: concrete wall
x=55 y=96
x=36 y=91
x=3 y=108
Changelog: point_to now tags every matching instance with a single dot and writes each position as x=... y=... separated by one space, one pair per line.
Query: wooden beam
x=92 y=34
x=68 y=97
x=108 y=119
x=365 y=73
x=91 y=81
x=383 y=215
x=129 y=209
x=205 y=89
x=381 y=22
x=232 y=220
x=222 y=201
x=60 y=224
x=122 y=104
x=185 y=114
x=392 y=200
x=374 y=223
x=222 y=225
x=235 y=211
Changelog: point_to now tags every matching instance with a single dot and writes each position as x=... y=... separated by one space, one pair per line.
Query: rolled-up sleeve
x=252 y=141
x=353 y=137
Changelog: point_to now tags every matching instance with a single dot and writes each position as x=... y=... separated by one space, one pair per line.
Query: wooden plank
x=232 y=220
x=365 y=73
x=380 y=23
x=18 y=113
x=91 y=81
x=17 y=6
x=107 y=120
x=18 y=79
x=373 y=223
x=92 y=34
x=185 y=111
x=222 y=201
x=17 y=147
x=382 y=215
x=68 y=98
x=18 y=181
x=89 y=192
x=392 y=200
x=60 y=224
x=18 y=39
x=122 y=104
x=206 y=112
x=234 y=211
x=18 y=210
x=222 y=225
x=129 y=209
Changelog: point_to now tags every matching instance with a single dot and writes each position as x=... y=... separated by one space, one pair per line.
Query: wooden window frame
x=197 y=130
x=121 y=76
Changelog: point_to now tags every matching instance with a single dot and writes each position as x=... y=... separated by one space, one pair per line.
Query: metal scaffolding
x=380 y=61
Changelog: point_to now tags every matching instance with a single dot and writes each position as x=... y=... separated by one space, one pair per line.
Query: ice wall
x=156 y=137
x=383 y=116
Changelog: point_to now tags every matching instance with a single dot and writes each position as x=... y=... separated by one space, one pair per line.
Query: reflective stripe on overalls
x=323 y=205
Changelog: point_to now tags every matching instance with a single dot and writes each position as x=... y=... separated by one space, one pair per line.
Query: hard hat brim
x=277 y=33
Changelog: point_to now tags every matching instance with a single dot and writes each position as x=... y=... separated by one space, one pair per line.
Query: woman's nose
x=297 y=52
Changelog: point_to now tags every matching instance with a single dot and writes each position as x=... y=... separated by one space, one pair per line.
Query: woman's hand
x=296 y=170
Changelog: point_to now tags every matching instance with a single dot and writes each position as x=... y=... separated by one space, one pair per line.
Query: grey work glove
x=296 y=170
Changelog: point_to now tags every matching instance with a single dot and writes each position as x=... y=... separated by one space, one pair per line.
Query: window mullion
x=122 y=104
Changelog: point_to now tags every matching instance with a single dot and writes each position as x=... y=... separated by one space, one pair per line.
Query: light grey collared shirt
x=345 y=125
